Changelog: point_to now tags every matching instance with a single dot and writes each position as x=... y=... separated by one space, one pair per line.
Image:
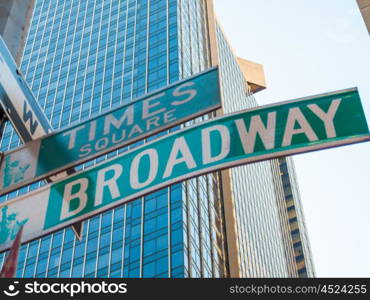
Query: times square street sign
x=114 y=129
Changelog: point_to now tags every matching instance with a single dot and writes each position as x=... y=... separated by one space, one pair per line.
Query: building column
x=15 y=17
x=228 y=200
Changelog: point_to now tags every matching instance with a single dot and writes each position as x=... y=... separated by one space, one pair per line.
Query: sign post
x=21 y=108
x=303 y=125
x=109 y=131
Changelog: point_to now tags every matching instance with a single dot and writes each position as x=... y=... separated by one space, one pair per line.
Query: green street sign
x=109 y=131
x=302 y=125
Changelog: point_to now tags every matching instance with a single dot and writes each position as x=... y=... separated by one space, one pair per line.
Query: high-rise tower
x=85 y=57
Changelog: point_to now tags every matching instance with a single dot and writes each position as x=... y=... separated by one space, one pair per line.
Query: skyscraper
x=85 y=57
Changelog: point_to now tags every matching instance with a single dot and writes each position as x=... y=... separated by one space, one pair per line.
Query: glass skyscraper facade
x=263 y=206
x=85 y=57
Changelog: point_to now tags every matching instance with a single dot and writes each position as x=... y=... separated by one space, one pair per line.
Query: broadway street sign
x=117 y=128
x=18 y=102
x=303 y=125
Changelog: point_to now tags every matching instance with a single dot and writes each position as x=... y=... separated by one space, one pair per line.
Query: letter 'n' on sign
x=28 y=118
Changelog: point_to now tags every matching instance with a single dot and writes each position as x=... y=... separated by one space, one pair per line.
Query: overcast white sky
x=309 y=47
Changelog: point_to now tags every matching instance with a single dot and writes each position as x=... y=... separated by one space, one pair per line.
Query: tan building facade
x=364 y=6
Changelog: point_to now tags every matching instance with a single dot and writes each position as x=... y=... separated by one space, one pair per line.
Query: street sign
x=18 y=102
x=126 y=124
x=303 y=125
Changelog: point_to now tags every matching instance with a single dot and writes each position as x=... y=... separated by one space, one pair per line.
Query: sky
x=308 y=47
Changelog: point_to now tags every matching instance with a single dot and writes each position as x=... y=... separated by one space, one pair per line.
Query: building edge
x=227 y=195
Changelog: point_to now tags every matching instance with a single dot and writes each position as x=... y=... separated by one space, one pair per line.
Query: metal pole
x=3 y=119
